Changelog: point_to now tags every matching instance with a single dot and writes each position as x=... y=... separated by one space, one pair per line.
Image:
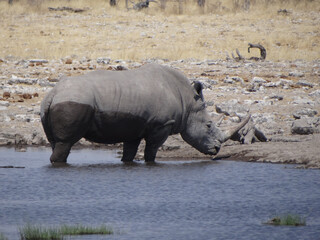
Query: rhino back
x=152 y=94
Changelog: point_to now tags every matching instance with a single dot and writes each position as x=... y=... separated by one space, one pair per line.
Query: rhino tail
x=44 y=114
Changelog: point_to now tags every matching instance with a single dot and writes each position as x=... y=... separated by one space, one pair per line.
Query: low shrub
x=33 y=232
x=287 y=220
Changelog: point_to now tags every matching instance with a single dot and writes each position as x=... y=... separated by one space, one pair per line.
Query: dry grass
x=29 y=30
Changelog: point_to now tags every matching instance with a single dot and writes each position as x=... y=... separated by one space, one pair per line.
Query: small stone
x=121 y=68
x=300 y=101
x=271 y=84
x=27 y=96
x=304 y=83
x=315 y=94
x=296 y=74
x=237 y=79
x=46 y=83
x=103 y=60
x=16 y=80
x=6 y=95
x=285 y=82
x=277 y=97
x=4 y=103
x=228 y=80
x=258 y=80
x=68 y=61
x=38 y=61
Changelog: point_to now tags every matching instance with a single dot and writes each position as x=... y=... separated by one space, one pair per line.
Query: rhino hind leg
x=60 y=152
x=69 y=122
x=130 y=150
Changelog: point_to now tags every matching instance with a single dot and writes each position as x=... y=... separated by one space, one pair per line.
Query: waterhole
x=194 y=199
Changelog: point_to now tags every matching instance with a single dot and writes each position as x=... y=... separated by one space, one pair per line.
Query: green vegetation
x=32 y=232
x=288 y=220
x=3 y=237
x=84 y=230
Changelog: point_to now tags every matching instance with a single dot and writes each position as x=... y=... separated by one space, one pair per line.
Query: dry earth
x=282 y=94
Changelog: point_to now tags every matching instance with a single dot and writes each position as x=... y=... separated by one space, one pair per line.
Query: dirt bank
x=283 y=98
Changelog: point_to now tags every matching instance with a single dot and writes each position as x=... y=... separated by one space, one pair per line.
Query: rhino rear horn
x=227 y=134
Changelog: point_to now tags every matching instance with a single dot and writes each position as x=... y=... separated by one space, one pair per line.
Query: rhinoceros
x=151 y=103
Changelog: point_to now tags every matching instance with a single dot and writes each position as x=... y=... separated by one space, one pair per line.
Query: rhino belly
x=115 y=127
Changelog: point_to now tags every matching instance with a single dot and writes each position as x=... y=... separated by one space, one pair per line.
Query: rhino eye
x=209 y=124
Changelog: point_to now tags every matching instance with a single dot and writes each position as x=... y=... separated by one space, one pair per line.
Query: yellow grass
x=30 y=30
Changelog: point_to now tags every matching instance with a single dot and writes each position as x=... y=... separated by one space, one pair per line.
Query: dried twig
x=69 y=9
x=239 y=58
x=141 y=5
x=263 y=52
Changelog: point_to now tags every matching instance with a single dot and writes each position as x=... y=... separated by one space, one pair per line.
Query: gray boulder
x=306 y=126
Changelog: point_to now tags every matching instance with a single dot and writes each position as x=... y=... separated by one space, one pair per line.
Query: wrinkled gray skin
x=149 y=103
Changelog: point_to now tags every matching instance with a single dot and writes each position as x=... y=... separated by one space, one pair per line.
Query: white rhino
x=151 y=103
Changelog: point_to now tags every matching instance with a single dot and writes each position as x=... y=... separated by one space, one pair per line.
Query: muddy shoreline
x=282 y=97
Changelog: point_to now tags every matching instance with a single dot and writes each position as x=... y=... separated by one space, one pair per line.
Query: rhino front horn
x=227 y=134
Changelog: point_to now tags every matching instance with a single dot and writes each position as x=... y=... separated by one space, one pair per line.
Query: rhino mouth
x=213 y=150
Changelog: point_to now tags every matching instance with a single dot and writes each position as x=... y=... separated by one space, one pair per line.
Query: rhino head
x=201 y=131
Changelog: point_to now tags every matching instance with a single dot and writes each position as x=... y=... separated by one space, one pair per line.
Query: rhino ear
x=198 y=87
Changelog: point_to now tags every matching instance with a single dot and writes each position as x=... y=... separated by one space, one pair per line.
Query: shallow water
x=198 y=199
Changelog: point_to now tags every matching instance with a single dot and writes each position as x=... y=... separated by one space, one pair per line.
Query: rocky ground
x=282 y=97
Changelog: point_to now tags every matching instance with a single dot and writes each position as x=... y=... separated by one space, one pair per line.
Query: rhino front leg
x=130 y=150
x=154 y=140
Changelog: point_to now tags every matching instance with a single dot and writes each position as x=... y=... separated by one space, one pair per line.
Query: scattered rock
x=301 y=101
x=308 y=112
x=38 y=61
x=277 y=97
x=286 y=84
x=117 y=68
x=315 y=94
x=6 y=95
x=68 y=61
x=228 y=80
x=4 y=103
x=47 y=83
x=103 y=60
x=258 y=80
x=296 y=74
x=305 y=126
x=27 y=96
x=304 y=83
x=272 y=84
x=16 y=80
